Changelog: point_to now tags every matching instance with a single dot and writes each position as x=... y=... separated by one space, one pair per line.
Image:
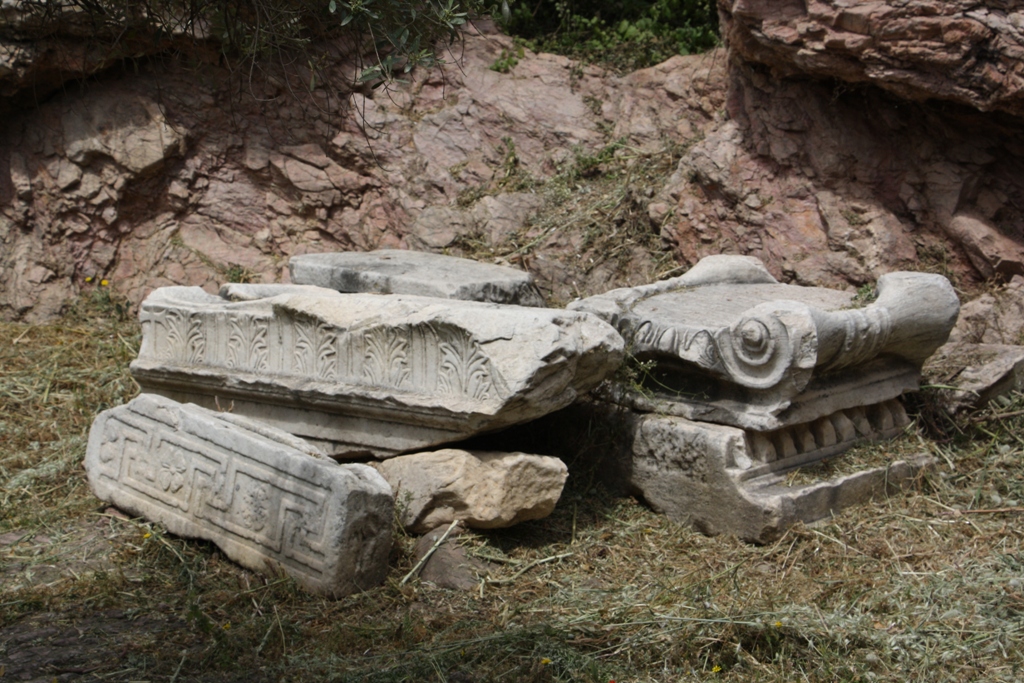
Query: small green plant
x=853 y=218
x=865 y=295
x=508 y=60
x=236 y=273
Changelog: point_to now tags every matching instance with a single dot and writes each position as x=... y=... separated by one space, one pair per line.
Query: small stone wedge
x=485 y=490
x=264 y=497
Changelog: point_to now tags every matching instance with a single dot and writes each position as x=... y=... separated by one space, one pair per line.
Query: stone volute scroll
x=740 y=348
x=369 y=374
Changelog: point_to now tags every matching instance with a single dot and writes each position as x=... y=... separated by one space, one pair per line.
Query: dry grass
x=926 y=587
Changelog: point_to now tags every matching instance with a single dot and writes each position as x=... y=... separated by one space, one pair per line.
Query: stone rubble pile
x=258 y=401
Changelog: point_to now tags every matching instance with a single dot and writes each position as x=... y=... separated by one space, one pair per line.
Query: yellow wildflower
x=104 y=282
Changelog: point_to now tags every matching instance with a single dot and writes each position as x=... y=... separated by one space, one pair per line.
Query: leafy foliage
x=400 y=34
x=624 y=35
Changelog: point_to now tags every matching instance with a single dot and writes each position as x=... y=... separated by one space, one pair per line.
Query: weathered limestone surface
x=735 y=346
x=267 y=499
x=722 y=479
x=397 y=271
x=485 y=490
x=365 y=373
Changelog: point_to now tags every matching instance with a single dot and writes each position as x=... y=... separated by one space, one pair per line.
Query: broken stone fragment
x=396 y=271
x=268 y=500
x=969 y=376
x=365 y=374
x=724 y=480
x=732 y=345
x=485 y=490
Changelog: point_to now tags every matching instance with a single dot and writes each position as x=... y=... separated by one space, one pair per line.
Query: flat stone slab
x=366 y=374
x=268 y=500
x=397 y=271
x=722 y=479
x=730 y=344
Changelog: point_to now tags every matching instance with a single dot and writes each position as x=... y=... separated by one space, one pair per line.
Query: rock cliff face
x=194 y=175
x=862 y=137
x=836 y=141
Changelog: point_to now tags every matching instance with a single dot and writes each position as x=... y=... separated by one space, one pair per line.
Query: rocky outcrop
x=862 y=138
x=229 y=175
x=964 y=52
x=855 y=139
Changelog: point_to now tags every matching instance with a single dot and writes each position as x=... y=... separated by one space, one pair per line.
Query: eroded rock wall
x=862 y=137
x=190 y=174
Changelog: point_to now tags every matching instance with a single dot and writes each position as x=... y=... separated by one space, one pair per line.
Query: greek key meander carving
x=413 y=358
x=253 y=503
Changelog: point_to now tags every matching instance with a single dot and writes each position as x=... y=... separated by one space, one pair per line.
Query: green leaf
x=332 y=7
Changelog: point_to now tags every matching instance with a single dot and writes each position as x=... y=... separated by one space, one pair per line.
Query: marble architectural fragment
x=740 y=380
x=366 y=374
x=734 y=346
x=397 y=271
x=485 y=490
x=268 y=500
x=722 y=479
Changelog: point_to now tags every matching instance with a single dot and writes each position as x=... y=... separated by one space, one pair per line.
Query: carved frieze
x=347 y=368
x=263 y=496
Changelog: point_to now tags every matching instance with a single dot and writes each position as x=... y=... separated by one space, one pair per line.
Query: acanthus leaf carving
x=387 y=357
x=465 y=369
x=315 y=353
x=247 y=343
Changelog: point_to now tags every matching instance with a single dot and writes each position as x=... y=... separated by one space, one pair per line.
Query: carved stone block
x=734 y=346
x=396 y=271
x=268 y=500
x=365 y=374
x=722 y=479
